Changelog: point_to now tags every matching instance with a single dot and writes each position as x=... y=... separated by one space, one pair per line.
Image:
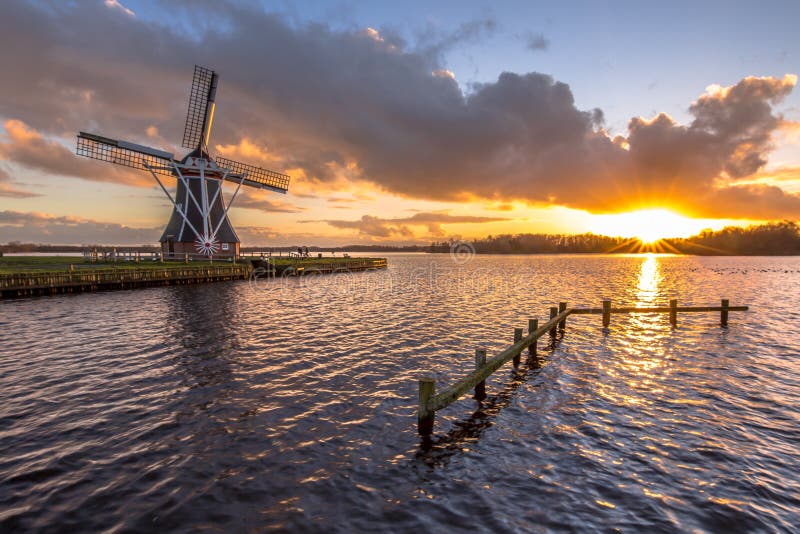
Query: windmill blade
x=256 y=176
x=124 y=153
x=201 y=108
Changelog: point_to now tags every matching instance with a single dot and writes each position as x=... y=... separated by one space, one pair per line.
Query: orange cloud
x=372 y=226
x=27 y=147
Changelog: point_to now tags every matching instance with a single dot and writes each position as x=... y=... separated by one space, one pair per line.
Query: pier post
x=517 y=339
x=425 y=418
x=673 y=312
x=480 y=361
x=606 y=313
x=533 y=326
x=723 y=315
x=562 y=307
x=553 y=313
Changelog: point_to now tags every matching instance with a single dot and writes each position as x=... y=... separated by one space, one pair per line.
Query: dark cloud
x=401 y=227
x=325 y=99
x=536 y=41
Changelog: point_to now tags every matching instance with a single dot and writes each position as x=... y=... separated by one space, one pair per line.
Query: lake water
x=291 y=404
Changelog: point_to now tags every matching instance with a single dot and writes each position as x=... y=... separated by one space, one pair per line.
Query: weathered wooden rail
x=430 y=402
x=349 y=266
x=17 y=285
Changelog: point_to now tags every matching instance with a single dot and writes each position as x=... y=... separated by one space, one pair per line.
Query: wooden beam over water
x=430 y=402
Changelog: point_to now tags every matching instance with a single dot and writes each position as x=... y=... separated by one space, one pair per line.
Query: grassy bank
x=26 y=264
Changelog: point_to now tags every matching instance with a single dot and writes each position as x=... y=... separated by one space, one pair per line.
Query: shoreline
x=31 y=276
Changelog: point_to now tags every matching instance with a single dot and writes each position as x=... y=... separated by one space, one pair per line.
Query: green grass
x=24 y=264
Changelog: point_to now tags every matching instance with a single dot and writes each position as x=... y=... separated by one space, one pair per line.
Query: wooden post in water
x=480 y=361
x=606 y=313
x=425 y=418
x=723 y=315
x=533 y=326
x=673 y=312
x=553 y=313
x=562 y=307
x=517 y=339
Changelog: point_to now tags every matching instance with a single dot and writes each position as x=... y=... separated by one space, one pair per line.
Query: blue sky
x=633 y=58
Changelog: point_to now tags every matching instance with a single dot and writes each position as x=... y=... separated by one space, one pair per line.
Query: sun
x=648 y=226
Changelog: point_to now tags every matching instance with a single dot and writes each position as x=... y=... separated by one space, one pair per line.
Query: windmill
x=199 y=223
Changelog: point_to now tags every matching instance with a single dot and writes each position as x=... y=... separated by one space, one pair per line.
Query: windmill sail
x=201 y=108
x=124 y=153
x=256 y=176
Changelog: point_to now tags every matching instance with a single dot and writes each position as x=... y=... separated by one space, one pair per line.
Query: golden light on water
x=649 y=277
x=647 y=294
x=641 y=367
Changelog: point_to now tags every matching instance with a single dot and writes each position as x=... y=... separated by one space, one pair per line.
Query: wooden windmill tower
x=199 y=223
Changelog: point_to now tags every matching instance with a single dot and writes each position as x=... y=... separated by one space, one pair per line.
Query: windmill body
x=199 y=223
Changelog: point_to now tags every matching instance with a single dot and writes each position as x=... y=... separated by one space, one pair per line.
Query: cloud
x=327 y=101
x=401 y=227
x=536 y=41
x=258 y=200
x=33 y=227
x=760 y=201
x=432 y=43
x=115 y=4
x=25 y=146
x=8 y=190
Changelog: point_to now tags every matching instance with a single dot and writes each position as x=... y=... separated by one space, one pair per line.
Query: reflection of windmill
x=199 y=222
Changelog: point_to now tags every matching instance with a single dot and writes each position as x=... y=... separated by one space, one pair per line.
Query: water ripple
x=290 y=404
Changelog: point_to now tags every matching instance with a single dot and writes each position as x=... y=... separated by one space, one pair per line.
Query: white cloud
x=115 y=4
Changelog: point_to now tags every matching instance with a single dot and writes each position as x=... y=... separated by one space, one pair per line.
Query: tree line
x=771 y=239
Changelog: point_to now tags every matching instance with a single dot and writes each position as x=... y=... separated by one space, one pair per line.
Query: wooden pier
x=30 y=284
x=430 y=402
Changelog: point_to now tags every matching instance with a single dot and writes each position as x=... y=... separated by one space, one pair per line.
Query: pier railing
x=430 y=402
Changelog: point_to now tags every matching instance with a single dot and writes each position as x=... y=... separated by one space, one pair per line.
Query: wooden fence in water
x=351 y=265
x=430 y=402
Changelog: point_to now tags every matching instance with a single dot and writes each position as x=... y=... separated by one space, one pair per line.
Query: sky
x=407 y=122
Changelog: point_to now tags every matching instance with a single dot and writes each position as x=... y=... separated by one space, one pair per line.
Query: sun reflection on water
x=649 y=279
x=641 y=361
